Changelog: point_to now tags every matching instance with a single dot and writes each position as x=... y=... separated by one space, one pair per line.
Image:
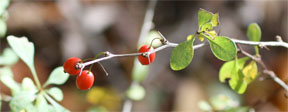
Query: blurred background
x=83 y=28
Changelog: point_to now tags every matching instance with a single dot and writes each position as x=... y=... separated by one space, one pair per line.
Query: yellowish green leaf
x=250 y=71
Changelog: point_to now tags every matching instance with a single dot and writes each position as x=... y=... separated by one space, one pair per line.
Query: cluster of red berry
x=85 y=80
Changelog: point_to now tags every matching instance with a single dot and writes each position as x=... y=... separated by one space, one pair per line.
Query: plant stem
x=268 y=43
x=266 y=71
x=32 y=68
x=110 y=55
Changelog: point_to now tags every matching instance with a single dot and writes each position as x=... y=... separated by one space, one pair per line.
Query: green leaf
x=203 y=17
x=56 y=93
x=207 y=26
x=189 y=37
x=228 y=67
x=212 y=34
x=182 y=55
x=28 y=85
x=215 y=20
x=23 y=48
x=57 y=77
x=41 y=103
x=8 y=57
x=237 y=82
x=21 y=101
x=135 y=92
x=139 y=71
x=254 y=34
x=3 y=6
x=8 y=80
x=233 y=71
x=57 y=107
x=3 y=26
x=250 y=72
x=223 y=48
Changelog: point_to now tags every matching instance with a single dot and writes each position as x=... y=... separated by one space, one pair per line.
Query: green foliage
x=250 y=71
x=233 y=70
x=22 y=100
x=215 y=20
x=182 y=55
x=3 y=27
x=223 y=48
x=57 y=77
x=254 y=34
x=8 y=57
x=3 y=6
x=28 y=85
x=227 y=68
x=135 y=92
x=41 y=104
x=56 y=93
x=203 y=17
x=23 y=48
x=9 y=81
x=55 y=106
x=28 y=97
x=207 y=20
x=222 y=103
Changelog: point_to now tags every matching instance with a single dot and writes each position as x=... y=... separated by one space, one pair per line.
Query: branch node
x=107 y=53
x=145 y=54
x=278 y=38
x=78 y=66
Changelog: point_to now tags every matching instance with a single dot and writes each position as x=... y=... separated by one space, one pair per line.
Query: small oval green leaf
x=254 y=32
x=223 y=48
x=57 y=76
x=56 y=93
x=227 y=68
x=136 y=92
x=182 y=55
x=203 y=17
x=28 y=85
x=8 y=57
x=233 y=71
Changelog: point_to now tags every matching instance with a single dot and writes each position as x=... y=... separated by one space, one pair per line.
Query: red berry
x=70 y=66
x=85 y=80
x=145 y=60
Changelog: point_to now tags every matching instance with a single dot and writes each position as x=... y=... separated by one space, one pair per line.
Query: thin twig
x=266 y=71
x=267 y=43
x=111 y=55
x=279 y=42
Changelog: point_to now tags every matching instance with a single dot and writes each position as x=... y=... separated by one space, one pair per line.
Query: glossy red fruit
x=146 y=60
x=70 y=66
x=85 y=80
